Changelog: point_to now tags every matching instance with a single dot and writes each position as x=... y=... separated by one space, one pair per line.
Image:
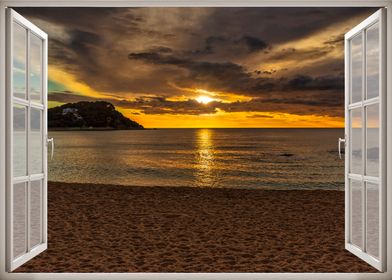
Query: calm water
x=218 y=158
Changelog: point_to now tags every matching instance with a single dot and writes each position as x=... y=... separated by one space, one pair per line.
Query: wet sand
x=104 y=228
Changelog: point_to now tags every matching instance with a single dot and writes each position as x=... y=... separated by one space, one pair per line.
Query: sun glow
x=204 y=99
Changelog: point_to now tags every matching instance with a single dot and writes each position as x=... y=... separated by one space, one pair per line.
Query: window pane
x=356 y=213
x=372 y=219
x=19 y=141
x=35 y=68
x=19 y=61
x=19 y=216
x=372 y=140
x=372 y=62
x=35 y=145
x=356 y=68
x=356 y=141
x=35 y=213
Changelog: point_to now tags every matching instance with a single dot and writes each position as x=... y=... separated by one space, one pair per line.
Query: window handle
x=340 y=141
x=51 y=140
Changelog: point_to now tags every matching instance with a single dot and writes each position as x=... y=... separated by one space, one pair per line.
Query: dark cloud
x=216 y=44
x=210 y=44
x=254 y=44
x=82 y=41
x=67 y=96
x=299 y=55
x=335 y=40
x=260 y=116
x=234 y=78
x=279 y=25
x=317 y=83
x=161 y=49
x=138 y=54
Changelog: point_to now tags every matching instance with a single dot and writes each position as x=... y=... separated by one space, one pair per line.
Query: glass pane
x=35 y=68
x=372 y=140
x=356 y=68
x=19 y=61
x=19 y=141
x=36 y=143
x=372 y=62
x=356 y=141
x=356 y=213
x=372 y=219
x=19 y=222
x=35 y=213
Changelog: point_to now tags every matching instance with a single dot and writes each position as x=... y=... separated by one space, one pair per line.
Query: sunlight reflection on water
x=205 y=158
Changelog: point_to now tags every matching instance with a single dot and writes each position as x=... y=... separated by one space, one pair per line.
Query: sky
x=202 y=67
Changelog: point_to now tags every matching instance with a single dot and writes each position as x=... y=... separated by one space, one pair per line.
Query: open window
x=26 y=140
x=365 y=129
x=365 y=114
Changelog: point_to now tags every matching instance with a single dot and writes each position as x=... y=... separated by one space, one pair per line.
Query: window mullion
x=28 y=141
x=363 y=141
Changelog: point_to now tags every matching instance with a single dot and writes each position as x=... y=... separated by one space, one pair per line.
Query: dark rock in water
x=89 y=116
x=286 y=155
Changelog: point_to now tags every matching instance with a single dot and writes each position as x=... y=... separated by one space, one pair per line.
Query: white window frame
x=14 y=17
x=379 y=18
x=190 y=3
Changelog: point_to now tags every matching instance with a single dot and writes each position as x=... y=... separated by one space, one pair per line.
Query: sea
x=201 y=158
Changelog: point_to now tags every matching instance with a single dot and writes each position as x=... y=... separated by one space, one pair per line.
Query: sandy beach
x=106 y=228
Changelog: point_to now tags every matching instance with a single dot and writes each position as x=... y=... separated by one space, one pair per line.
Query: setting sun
x=204 y=99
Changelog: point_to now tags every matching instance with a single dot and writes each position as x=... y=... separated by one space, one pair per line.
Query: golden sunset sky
x=202 y=67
